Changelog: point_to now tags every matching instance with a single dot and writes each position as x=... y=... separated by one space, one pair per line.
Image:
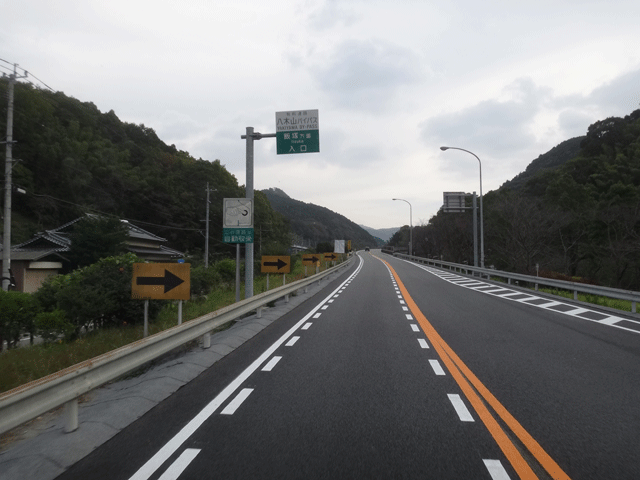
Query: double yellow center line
x=479 y=397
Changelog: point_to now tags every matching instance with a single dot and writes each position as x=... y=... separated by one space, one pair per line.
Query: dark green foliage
x=96 y=296
x=577 y=215
x=17 y=316
x=226 y=269
x=324 y=247
x=51 y=325
x=94 y=238
x=75 y=159
x=557 y=156
x=203 y=280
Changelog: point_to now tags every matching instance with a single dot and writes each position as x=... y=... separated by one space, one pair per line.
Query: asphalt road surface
x=398 y=371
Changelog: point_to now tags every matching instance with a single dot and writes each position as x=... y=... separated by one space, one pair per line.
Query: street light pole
x=410 y=225
x=481 y=214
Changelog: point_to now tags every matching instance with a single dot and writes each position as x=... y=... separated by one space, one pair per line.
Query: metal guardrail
x=629 y=295
x=28 y=401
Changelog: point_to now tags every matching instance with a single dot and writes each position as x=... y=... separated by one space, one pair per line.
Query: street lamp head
x=444 y=148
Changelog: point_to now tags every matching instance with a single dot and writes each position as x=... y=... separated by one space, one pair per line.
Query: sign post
x=237 y=227
x=160 y=281
x=309 y=143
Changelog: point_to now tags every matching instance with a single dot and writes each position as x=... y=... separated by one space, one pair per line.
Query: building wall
x=34 y=278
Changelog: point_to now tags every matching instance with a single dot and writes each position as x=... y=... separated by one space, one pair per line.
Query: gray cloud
x=366 y=75
x=502 y=127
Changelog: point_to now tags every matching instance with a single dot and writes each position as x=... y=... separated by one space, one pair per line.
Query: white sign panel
x=238 y=212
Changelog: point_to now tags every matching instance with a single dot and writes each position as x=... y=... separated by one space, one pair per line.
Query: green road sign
x=237 y=235
x=297 y=132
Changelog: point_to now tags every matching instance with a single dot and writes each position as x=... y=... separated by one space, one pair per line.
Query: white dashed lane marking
x=292 y=342
x=272 y=363
x=234 y=404
x=460 y=407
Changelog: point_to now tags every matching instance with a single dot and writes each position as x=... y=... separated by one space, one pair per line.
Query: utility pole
x=8 y=166
x=206 y=241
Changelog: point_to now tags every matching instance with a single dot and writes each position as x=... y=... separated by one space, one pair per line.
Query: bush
x=98 y=295
x=226 y=268
x=17 y=314
x=203 y=280
x=51 y=325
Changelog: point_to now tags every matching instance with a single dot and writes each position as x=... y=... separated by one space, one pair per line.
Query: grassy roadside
x=622 y=305
x=23 y=365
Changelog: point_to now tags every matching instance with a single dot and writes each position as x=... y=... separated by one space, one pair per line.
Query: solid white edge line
x=460 y=407
x=181 y=463
x=233 y=405
x=272 y=363
x=610 y=322
x=496 y=470
x=172 y=445
x=437 y=368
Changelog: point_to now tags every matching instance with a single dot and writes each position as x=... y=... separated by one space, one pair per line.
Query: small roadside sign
x=330 y=257
x=275 y=264
x=237 y=222
x=297 y=132
x=161 y=281
x=309 y=259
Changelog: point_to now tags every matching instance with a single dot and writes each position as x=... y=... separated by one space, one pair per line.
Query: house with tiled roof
x=43 y=256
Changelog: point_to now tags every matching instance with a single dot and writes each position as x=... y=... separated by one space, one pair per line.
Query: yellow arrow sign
x=311 y=258
x=161 y=281
x=276 y=264
x=330 y=257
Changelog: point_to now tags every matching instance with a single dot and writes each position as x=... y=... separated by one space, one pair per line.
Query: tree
x=17 y=315
x=96 y=296
x=95 y=237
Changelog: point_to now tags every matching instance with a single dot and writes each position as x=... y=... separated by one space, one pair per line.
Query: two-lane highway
x=393 y=372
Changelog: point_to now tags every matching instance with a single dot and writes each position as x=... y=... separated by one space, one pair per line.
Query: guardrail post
x=575 y=294
x=633 y=307
x=71 y=415
x=284 y=282
x=259 y=312
x=206 y=340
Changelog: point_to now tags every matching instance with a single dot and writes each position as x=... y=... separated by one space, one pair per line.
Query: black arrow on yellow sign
x=169 y=281
x=278 y=264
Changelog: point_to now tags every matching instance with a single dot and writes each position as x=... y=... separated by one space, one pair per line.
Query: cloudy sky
x=392 y=80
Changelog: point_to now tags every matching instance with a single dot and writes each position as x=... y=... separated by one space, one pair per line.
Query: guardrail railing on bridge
x=575 y=287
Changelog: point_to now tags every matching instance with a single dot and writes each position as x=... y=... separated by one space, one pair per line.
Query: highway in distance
x=396 y=370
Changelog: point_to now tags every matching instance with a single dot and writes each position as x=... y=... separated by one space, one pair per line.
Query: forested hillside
x=579 y=219
x=317 y=224
x=75 y=159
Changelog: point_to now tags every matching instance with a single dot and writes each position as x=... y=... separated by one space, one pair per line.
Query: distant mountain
x=314 y=224
x=383 y=234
